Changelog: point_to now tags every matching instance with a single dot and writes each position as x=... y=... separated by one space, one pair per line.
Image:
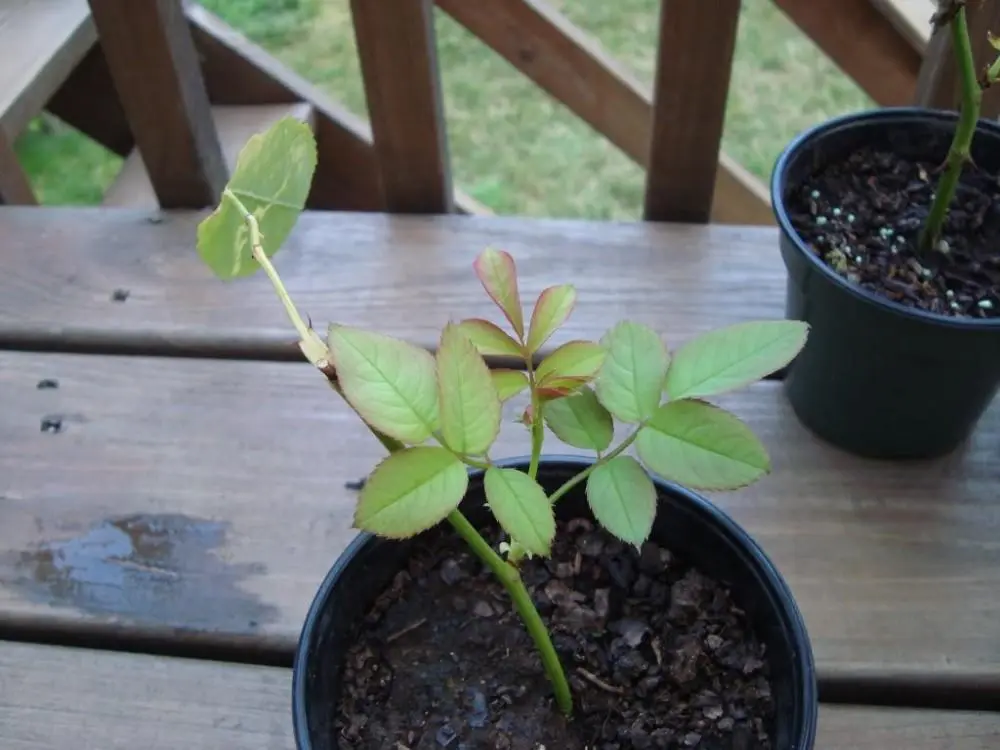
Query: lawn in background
x=512 y=146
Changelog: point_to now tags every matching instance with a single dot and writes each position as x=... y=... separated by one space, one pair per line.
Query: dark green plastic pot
x=686 y=523
x=876 y=378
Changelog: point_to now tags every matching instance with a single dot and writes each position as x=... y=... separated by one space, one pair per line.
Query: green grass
x=512 y=146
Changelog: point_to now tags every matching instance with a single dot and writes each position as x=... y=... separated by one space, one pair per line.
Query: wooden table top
x=183 y=412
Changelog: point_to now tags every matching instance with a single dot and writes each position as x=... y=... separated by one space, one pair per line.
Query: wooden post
x=15 y=190
x=937 y=84
x=694 y=61
x=155 y=69
x=396 y=45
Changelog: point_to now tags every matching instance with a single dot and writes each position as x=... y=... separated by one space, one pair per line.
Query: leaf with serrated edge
x=498 y=273
x=411 y=491
x=391 y=383
x=701 y=446
x=630 y=382
x=732 y=357
x=470 y=406
x=623 y=499
x=552 y=308
x=272 y=178
x=509 y=382
x=580 y=420
x=574 y=359
x=490 y=339
x=522 y=508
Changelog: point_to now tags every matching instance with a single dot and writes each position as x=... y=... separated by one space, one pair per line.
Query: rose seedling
x=440 y=414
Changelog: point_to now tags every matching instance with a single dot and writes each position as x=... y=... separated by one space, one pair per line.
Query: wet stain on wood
x=159 y=569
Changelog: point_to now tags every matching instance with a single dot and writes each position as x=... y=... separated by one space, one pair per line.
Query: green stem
x=537 y=425
x=261 y=257
x=512 y=581
x=958 y=152
x=573 y=482
x=508 y=574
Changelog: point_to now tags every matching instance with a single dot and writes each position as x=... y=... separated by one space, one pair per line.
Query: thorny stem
x=506 y=573
x=511 y=580
x=958 y=152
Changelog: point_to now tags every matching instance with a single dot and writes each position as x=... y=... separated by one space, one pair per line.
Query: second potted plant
x=542 y=601
x=890 y=232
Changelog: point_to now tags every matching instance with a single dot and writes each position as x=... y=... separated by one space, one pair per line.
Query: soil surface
x=657 y=654
x=863 y=217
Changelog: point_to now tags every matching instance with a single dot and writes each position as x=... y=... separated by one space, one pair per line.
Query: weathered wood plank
x=864 y=43
x=405 y=274
x=912 y=18
x=399 y=67
x=210 y=496
x=938 y=85
x=235 y=126
x=15 y=189
x=155 y=67
x=40 y=43
x=694 y=61
x=573 y=68
x=239 y=72
x=55 y=698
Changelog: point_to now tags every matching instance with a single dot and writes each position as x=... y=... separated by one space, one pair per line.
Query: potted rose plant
x=565 y=602
x=889 y=224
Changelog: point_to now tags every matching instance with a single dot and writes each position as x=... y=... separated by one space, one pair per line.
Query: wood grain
x=56 y=698
x=938 y=85
x=863 y=43
x=155 y=67
x=406 y=275
x=399 y=67
x=41 y=41
x=573 y=68
x=239 y=72
x=895 y=565
x=235 y=126
x=694 y=61
x=15 y=189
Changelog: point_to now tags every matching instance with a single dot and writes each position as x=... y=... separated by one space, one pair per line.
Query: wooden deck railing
x=190 y=62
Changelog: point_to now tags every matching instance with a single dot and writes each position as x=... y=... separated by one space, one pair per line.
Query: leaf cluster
x=444 y=410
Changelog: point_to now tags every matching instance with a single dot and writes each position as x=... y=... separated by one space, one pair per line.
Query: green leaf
x=272 y=179
x=574 y=359
x=631 y=381
x=580 y=420
x=470 y=405
x=994 y=41
x=522 y=508
x=509 y=382
x=498 y=273
x=551 y=310
x=410 y=491
x=701 y=446
x=392 y=384
x=490 y=339
x=731 y=357
x=623 y=499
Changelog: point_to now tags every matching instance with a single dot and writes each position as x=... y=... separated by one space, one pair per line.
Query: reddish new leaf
x=553 y=307
x=498 y=274
x=490 y=339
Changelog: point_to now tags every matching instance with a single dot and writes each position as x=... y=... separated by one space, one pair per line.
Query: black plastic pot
x=686 y=523
x=876 y=378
